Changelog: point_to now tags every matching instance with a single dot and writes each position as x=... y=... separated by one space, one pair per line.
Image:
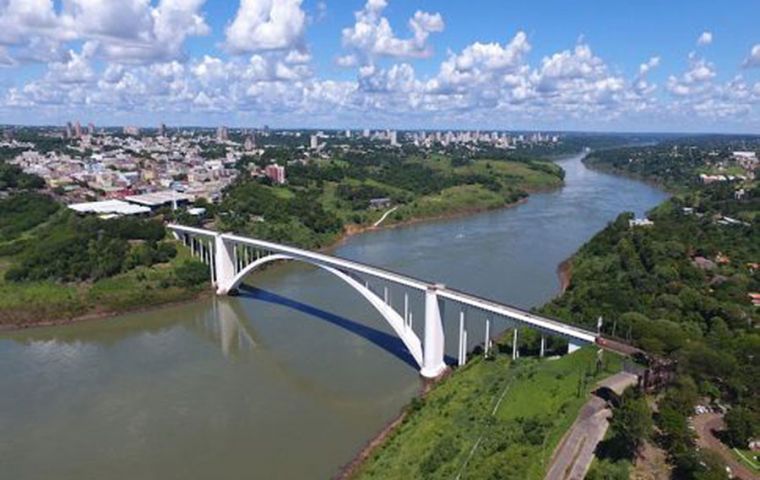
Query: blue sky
x=581 y=65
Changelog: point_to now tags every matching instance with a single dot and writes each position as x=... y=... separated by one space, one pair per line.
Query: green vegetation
x=680 y=288
x=323 y=196
x=492 y=419
x=677 y=289
x=676 y=163
x=56 y=265
x=24 y=303
x=22 y=212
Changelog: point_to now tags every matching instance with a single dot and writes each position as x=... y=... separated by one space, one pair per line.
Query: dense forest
x=680 y=289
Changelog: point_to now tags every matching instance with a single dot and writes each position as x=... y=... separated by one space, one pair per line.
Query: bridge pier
x=230 y=257
x=224 y=264
x=514 y=344
x=432 y=350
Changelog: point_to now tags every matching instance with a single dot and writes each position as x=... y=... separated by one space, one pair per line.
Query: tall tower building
x=222 y=135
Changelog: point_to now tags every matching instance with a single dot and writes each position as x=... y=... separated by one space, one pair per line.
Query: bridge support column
x=224 y=264
x=514 y=344
x=543 y=345
x=487 y=341
x=571 y=347
x=462 y=339
x=432 y=359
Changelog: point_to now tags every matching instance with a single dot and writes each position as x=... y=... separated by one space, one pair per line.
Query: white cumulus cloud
x=372 y=35
x=705 y=38
x=753 y=59
x=262 y=25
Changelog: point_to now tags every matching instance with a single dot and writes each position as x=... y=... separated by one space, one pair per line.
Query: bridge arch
x=396 y=322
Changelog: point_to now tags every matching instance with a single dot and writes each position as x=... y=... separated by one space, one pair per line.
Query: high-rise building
x=393 y=137
x=91 y=128
x=250 y=143
x=222 y=135
x=77 y=130
x=314 y=142
x=162 y=130
x=348 y=133
x=69 y=130
x=365 y=133
x=275 y=172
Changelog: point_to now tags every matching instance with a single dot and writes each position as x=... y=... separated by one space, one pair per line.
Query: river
x=288 y=380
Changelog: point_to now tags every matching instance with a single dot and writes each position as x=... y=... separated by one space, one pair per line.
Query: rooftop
x=157 y=199
x=118 y=207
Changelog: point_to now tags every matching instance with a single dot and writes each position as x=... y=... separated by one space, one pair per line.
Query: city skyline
x=382 y=64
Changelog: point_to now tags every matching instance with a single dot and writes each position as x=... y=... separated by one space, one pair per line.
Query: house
x=379 y=203
x=640 y=222
x=755 y=298
x=703 y=263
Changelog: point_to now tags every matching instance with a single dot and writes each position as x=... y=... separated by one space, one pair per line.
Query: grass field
x=491 y=419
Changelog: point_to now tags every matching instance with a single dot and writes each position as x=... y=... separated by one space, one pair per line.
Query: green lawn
x=748 y=458
x=451 y=200
x=490 y=419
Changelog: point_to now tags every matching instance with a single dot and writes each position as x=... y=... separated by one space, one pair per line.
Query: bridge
x=232 y=257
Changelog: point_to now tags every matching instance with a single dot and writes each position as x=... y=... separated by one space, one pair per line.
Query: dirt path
x=705 y=425
x=385 y=215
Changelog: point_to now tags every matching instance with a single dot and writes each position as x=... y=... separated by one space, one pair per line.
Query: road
x=575 y=452
x=385 y=215
x=704 y=425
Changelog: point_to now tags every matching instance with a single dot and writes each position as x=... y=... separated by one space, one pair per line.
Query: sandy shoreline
x=565 y=274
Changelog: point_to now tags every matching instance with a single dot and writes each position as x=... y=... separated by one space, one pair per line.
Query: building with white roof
x=159 y=199
x=109 y=207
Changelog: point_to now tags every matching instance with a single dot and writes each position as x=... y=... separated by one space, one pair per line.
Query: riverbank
x=293 y=375
x=26 y=305
x=128 y=293
x=96 y=314
x=489 y=415
x=565 y=274
x=354 y=229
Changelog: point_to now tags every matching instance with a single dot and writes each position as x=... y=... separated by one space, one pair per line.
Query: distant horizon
x=374 y=129
x=678 y=66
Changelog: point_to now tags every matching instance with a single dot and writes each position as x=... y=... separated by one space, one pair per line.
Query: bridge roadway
x=230 y=259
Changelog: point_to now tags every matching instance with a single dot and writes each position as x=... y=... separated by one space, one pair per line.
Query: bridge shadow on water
x=388 y=342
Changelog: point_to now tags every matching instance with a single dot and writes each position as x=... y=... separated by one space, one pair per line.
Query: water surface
x=291 y=378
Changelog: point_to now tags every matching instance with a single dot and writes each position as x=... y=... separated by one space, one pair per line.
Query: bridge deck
x=539 y=322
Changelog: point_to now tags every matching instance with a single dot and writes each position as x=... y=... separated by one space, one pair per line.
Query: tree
x=632 y=421
x=191 y=273
x=608 y=470
x=741 y=426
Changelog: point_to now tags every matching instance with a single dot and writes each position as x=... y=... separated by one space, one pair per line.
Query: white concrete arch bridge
x=231 y=257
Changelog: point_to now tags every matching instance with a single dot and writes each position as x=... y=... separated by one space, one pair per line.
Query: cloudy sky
x=645 y=65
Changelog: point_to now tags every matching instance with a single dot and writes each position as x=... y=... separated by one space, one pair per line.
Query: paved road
x=705 y=424
x=573 y=456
